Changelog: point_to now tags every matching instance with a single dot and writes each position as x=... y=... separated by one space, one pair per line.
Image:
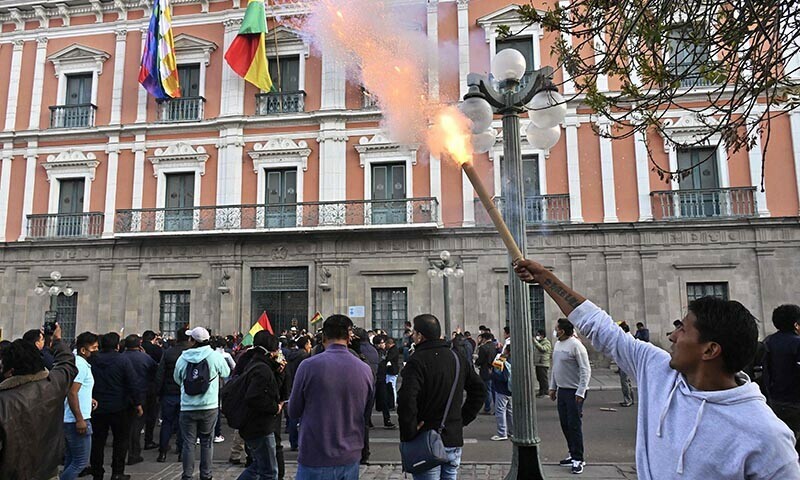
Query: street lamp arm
x=503 y=101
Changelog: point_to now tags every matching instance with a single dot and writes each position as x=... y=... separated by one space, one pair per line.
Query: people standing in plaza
x=333 y=377
x=624 y=379
x=543 y=349
x=36 y=337
x=150 y=344
x=218 y=344
x=32 y=408
x=198 y=372
x=568 y=385
x=501 y=383
x=78 y=410
x=782 y=367
x=119 y=399
x=427 y=381
x=361 y=344
x=642 y=333
x=697 y=418
x=145 y=369
x=487 y=350
x=381 y=390
x=392 y=370
x=298 y=356
x=170 y=397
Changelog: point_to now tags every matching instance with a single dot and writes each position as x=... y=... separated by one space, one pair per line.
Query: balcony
x=351 y=214
x=274 y=103
x=64 y=225
x=368 y=100
x=183 y=109
x=706 y=203
x=538 y=209
x=72 y=116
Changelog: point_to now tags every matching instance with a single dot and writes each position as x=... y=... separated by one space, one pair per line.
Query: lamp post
x=445 y=268
x=53 y=288
x=546 y=110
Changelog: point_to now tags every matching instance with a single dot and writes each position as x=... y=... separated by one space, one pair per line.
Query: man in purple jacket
x=331 y=392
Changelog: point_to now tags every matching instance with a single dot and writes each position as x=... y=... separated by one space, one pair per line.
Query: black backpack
x=232 y=399
x=198 y=378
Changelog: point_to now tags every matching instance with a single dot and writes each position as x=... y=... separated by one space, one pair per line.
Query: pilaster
x=334 y=82
x=5 y=187
x=332 y=140
x=30 y=177
x=573 y=169
x=139 y=152
x=13 y=81
x=468 y=199
x=229 y=166
x=463 y=46
x=232 y=94
x=38 y=83
x=111 y=187
x=642 y=177
x=755 y=158
x=433 y=50
x=794 y=119
x=607 y=172
x=141 y=104
x=119 y=76
x=435 y=165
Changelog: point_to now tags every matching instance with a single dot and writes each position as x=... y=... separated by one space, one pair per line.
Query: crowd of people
x=58 y=401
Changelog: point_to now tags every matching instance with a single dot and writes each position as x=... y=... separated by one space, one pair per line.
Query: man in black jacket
x=32 y=409
x=487 y=350
x=427 y=380
x=392 y=370
x=145 y=369
x=170 y=397
x=782 y=367
x=294 y=359
x=118 y=399
x=150 y=344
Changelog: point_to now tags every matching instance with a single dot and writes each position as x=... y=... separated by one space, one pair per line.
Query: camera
x=49 y=328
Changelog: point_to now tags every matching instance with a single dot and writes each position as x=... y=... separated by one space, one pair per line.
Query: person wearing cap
x=334 y=378
x=199 y=412
x=697 y=417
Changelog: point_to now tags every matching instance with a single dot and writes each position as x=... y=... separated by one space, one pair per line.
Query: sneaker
x=567 y=462
x=577 y=466
x=197 y=442
x=219 y=439
x=625 y=404
x=389 y=426
x=498 y=438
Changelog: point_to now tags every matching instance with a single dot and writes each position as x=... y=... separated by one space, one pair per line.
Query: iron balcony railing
x=306 y=215
x=284 y=102
x=72 y=116
x=64 y=225
x=538 y=209
x=705 y=203
x=182 y=109
x=368 y=100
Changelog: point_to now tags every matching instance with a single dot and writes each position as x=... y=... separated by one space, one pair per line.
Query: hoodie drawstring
x=691 y=436
x=666 y=409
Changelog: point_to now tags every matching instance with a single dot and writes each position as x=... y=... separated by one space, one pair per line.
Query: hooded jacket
x=217 y=368
x=31 y=419
x=165 y=381
x=116 y=386
x=261 y=399
x=687 y=433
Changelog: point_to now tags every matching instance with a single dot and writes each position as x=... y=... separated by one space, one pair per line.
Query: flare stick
x=494 y=213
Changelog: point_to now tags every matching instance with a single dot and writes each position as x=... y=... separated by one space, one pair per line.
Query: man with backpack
x=198 y=372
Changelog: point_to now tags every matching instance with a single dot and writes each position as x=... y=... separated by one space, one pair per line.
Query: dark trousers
x=170 y=413
x=544 y=380
x=789 y=413
x=135 y=443
x=365 y=453
x=487 y=404
x=120 y=424
x=294 y=432
x=279 y=451
x=382 y=399
x=151 y=417
x=570 y=414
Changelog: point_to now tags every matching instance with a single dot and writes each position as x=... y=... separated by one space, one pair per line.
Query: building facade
x=227 y=202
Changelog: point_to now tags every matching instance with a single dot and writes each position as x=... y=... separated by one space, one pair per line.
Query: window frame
x=391 y=290
x=704 y=286
x=188 y=306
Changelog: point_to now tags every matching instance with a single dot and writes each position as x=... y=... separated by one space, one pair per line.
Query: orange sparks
x=451 y=134
x=339 y=14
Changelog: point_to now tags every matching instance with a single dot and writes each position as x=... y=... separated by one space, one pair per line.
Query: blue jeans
x=264 y=466
x=570 y=414
x=503 y=414
x=487 y=404
x=76 y=452
x=198 y=423
x=170 y=412
x=448 y=471
x=339 y=472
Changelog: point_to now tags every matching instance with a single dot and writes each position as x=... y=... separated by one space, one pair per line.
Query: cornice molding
x=179 y=155
x=277 y=150
x=381 y=146
x=71 y=161
x=688 y=130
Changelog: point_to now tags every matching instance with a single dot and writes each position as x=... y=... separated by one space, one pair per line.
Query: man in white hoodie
x=698 y=417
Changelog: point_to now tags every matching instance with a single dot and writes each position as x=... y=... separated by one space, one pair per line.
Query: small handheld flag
x=316 y=318
x=262 y=324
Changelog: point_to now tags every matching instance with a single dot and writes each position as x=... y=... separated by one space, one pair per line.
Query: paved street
x=609 y=440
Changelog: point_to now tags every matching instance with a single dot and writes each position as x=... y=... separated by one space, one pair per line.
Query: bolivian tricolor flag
x=261 y=324
x=247 y=54
x=316 y=318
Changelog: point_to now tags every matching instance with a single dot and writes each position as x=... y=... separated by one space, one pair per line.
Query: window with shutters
x=174 y=312
x=390 y=310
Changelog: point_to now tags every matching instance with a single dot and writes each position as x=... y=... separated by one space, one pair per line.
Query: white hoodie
x=683 y=432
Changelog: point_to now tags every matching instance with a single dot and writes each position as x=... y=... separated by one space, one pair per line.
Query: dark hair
x=133 y=341
x=148 y=336
x=624 y=326
x=32 y=336
x=729 y=324
x=567 y=326
x=109 y=341
x=639 y=324
x=84 y=340
x=541 y=332
x=428 y=326
x=486 y=336
x=337 y=327
x=266 y=340
x=180 y=335
x=378 y=339
x=506 y=329
x=785 y=316
x=302 y=342
x=4 y=344
x=482 y=327
x=467 y=334
x=390 y=340
x=23 y=357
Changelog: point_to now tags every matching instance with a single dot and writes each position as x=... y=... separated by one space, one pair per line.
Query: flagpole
x=277 y=59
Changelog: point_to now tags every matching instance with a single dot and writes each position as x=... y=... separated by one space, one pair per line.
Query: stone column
x=332 y=140
x=232 y=94
x=653 y=297
x=104 y=299
x=111 y=187
x=30 y=175
x=38 y=83
x=573 y=169
x=139 y=152
x=132 y=299
x=463 y=45
x=20 y=303
x=642 y=177
x=607 y=171
x=119 y=76
x=13 y=81
x=614 y=279
x=5 y=186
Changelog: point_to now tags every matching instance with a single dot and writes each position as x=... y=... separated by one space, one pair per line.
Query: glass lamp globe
x=54 y=290
x=484 y=141
x=547 y=109
x=479 y=112
x=39 y=290
x=433 y=273
x=542 y=138
x=441 y=273
x=55 y=276
x=508 y=64
x=69 y=291
x=459 y=272
x=445 y=255
x=449 y=272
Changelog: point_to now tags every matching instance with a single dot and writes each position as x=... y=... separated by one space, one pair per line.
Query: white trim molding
x=190 y=50
x=77 y=59
x=380 y=149
x=687 y=131
x=290 y=43
x=71 y=163
x=279 y=153
x=178 y=158
x=509 y=16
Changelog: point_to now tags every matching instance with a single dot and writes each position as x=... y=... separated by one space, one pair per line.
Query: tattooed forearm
x=559 y=289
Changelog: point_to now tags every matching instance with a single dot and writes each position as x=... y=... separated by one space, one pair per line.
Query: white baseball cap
x=199 y=334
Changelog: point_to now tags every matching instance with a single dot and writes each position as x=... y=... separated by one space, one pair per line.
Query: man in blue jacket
x=782 y=367
x=199 y=368
x=145 y=369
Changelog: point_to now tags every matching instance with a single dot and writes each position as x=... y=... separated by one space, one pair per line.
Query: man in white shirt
x=78 y=410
